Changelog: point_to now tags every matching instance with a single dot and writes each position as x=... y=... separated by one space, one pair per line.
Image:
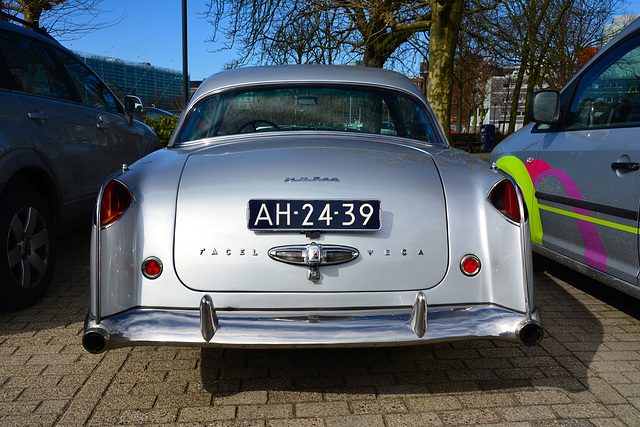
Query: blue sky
x=151 y=31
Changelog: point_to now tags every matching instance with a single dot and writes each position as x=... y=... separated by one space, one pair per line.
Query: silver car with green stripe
x=579 y=166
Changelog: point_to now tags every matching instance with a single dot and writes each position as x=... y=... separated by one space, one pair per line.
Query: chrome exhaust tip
x=531 y=334
x=95 y=341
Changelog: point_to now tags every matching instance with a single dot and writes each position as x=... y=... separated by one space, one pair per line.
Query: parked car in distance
x=154 y=113
x=267 y=222
x=62 y=132
x=578 y=166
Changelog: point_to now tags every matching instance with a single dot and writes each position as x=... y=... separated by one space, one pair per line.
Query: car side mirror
x=544 y=107
x=133 y=105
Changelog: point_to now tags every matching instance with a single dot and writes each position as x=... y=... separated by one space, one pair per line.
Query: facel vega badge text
x=254 y=252
x=312 y=179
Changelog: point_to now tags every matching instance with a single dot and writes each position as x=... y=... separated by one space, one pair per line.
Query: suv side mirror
x=133 y=105
x=544 y=107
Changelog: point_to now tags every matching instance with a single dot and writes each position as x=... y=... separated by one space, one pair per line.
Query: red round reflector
x=470 y=265
x=152 y=268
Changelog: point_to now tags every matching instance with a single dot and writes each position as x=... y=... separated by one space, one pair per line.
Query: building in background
x=156 y=86
x=500 y=87
x=498 y=99
x=618 y=24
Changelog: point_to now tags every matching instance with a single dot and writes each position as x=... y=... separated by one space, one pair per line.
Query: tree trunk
x=445 y=25
x=515 y=97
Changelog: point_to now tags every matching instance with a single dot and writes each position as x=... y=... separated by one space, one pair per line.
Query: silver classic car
x=286 y=211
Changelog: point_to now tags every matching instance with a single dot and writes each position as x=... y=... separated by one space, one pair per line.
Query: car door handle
x=630 y=166
x=37 y=115
x=102 y=125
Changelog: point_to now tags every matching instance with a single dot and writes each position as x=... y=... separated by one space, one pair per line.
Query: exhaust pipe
x=95 y=341
x=531 y=334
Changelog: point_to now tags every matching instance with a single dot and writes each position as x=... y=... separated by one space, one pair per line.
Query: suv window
x=92 y=91
x=33 y=70
x=608 y=95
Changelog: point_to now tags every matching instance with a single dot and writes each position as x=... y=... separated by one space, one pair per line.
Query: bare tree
x=329 y=31
x=471 y=74
x=63 y=19
x=543 y=40
x=577 y=38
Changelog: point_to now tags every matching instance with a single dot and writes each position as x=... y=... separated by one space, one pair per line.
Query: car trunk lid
x=215 y=251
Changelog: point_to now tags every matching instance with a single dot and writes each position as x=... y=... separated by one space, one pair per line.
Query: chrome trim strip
x=525 y=247
x=98 y=247
x=319 y=329
x=525 y=237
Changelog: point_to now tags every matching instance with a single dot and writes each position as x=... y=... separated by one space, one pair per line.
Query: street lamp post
x=185 y=62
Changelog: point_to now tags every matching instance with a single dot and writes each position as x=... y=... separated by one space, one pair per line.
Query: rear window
x=308 y=108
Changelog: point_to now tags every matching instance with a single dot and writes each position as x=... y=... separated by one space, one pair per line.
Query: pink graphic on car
x=595 y=255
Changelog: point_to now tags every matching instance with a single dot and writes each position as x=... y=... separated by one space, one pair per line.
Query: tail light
x=116 y=199
x=504 y=198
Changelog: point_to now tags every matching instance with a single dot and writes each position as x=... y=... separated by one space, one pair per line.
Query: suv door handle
x=102 y=125
x=37 y=115
x=630 y=166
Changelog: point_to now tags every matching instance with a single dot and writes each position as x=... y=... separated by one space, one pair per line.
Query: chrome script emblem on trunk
x=313 y=255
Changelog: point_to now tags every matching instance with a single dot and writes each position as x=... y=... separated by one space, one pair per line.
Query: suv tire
x=27 y=247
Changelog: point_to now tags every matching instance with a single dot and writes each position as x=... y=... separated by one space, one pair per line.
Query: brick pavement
x=586 y=372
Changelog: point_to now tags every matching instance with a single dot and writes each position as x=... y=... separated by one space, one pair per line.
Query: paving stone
x=359 y=421
x=322 y=409
x=380 y=406
x=297 y=422
x=267 y=411
x=470 y=416
x=527 y=413
x=579 y=410
x=413 y=419
x=206 y=414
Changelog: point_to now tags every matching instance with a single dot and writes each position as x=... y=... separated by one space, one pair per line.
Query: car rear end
x=320 y=238
x=181 y=265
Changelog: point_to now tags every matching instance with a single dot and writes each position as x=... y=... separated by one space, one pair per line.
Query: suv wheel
x=27 y=248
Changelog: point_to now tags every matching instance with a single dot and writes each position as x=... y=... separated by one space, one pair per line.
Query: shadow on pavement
x=67 y=299
x=561 y=361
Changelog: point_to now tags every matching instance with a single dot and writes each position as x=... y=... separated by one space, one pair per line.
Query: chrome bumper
x=204 y=327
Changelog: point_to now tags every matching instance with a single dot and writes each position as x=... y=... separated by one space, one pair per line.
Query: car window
x=6 y=81
x=92 y=91
x=608 y=95
x=308 y=108
x=33 y=70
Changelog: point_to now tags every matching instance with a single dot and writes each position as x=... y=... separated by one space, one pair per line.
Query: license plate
x=355 y=215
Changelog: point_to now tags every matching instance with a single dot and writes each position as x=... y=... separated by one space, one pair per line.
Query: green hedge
x=163 y=128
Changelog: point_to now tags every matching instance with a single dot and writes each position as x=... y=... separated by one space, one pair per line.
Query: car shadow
x=574 y=330
x=67 y=298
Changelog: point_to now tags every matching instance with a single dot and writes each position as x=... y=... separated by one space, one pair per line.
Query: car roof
x=313 y=74
x=31 y=32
